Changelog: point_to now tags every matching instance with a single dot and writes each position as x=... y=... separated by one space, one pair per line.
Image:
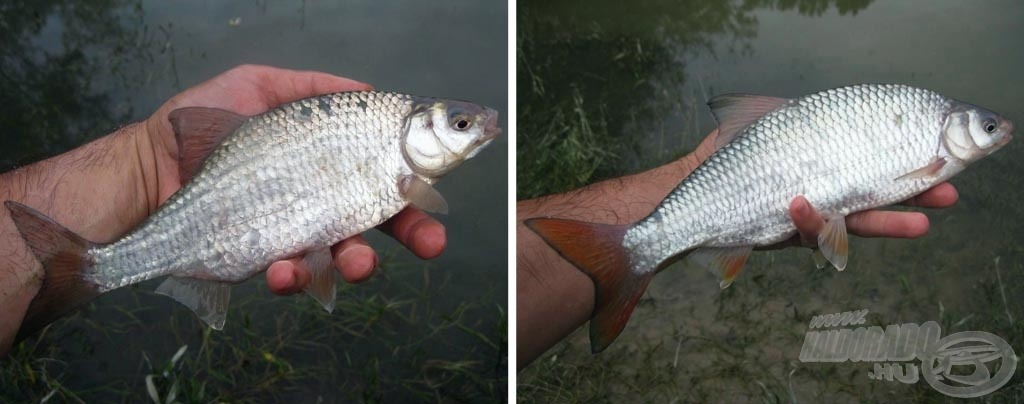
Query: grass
x=392 y=339
x=688 y=341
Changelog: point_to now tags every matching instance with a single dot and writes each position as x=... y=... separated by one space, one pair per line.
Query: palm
x=251 y=90
x=247 y=90
x=871 y=223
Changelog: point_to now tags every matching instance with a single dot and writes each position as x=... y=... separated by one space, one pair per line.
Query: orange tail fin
x=596 y=249
x=65 y=260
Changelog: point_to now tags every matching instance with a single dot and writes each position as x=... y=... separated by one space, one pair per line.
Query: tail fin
x=596 y=249
x=65 y=260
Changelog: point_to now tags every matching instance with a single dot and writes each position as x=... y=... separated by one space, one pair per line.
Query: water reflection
x=688 y=341
x=59 y=64
x=592 y=78
x=73 y=71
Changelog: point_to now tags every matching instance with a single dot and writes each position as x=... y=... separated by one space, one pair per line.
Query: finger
x=355 y=259
x=288 y=277
x=807 y=220
x=881 y=223
x=420 y=233
x=943 y=195
x=283 y=85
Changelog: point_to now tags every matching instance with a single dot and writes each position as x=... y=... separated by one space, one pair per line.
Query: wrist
x=99 y=190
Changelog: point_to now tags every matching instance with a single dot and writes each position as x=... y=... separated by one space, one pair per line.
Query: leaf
x=151 y=389
x=177 y=356
x=171 y=395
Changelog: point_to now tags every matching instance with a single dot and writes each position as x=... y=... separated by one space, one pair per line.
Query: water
x=75 y=71
x=641 y=75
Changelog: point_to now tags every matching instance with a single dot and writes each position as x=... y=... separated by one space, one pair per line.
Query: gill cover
x=971 y=132
x=443 y=133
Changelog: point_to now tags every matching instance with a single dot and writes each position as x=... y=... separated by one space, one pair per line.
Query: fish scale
x=748 y=184
x=845 y=150
x=289 y=182
x=280 y=215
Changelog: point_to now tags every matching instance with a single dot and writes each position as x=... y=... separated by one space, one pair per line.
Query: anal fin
x=323 y=287
x=724 y=262
x=208 y=299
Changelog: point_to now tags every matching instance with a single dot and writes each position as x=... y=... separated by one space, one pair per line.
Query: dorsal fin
x=198 y=131
x=734 y=112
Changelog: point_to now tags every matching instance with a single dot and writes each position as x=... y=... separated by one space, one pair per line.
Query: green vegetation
x=688 y=342
x=596 y=85
x=71 y=71
x=53 y=94
x=388 y=340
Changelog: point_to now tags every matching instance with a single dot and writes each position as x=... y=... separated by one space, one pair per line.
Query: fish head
x=442 y=134
x=972 y=132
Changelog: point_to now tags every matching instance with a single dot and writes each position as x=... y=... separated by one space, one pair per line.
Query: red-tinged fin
x=198 y=131
x=596 y=249
x=734 y=112
x=724 y=262
x=832 y=241
x=64 y=256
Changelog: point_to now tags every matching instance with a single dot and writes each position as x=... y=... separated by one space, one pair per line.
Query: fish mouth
x=1006 y=139
x=491 y=129
x=1009 y=134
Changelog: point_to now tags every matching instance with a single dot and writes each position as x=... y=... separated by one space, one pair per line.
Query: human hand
x=548 y=287
x=251 y=90
x=870 y=223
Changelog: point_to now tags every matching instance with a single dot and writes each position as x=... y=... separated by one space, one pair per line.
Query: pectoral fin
x=422 y=195
x=725 y=262
x=928 y=171
x=208 y=299
x=832 y=241
x=323 y=287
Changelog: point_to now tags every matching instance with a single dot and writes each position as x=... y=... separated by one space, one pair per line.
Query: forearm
x=99 y=191
x=554 y=298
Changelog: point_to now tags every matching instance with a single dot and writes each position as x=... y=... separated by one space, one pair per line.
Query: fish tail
x=65 y=260
x=596 y=249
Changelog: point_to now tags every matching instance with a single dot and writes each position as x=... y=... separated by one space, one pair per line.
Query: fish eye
x=989 y=126
x=460 y=123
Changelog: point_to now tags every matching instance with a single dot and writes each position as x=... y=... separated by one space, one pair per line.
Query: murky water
x=74 y=71
x=641 y=73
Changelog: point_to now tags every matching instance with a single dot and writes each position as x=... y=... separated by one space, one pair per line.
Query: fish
x=257 y=189
x=845 y=150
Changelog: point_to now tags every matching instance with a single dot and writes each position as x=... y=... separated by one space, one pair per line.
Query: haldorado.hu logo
x=957 y=365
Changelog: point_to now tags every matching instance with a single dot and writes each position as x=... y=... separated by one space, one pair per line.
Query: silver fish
x=846 y=150
x=293 y=180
